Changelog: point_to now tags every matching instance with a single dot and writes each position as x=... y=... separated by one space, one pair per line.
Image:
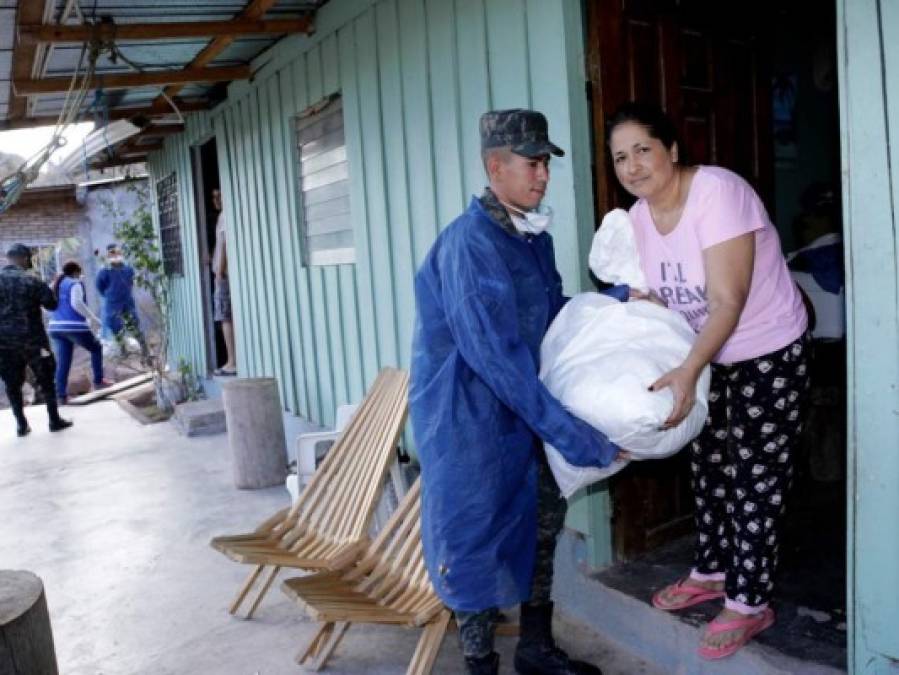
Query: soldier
x=23 y=340
x=491 y=511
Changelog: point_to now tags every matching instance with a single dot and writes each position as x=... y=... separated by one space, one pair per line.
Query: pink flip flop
x=752 y=625
x=694 y=595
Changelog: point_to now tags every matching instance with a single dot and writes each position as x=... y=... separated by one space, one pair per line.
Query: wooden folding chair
x=326 y=529
x=389 y=585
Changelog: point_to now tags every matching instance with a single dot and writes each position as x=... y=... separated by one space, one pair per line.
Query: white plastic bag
x=613 y=256
x=599 y=358
x=115 y=349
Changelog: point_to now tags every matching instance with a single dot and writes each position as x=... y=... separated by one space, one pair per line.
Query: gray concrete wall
x=101 y=204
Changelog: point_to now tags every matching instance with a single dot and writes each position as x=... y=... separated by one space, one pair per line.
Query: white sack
x=114 y=349
x=614 y=257
x=599 y=358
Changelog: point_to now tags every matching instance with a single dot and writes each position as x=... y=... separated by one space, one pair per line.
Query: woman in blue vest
x=69 y=327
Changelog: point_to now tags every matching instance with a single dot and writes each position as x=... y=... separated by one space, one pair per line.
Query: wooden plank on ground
x=118 y=387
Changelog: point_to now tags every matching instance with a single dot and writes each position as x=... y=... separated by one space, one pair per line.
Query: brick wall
x=42 y=216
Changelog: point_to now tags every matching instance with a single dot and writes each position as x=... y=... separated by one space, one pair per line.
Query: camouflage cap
x=524 y=131
x=18 y=251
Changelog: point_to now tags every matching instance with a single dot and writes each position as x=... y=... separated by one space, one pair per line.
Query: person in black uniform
x=23 y=340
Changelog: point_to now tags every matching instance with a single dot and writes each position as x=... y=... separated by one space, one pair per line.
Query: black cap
x=18 y=251
x=111 y=247
x=525 y=132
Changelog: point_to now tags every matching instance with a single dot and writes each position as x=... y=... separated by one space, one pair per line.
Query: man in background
x=115 y=283
x=221 y=294
x=23 y=339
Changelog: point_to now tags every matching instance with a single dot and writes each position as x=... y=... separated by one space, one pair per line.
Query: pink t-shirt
x=719 y=207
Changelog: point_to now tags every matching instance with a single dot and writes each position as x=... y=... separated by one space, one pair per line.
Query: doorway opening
x=752 y=88
x=204 y=159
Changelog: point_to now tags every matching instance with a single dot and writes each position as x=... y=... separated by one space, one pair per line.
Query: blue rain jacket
x=485 y=298
x=115 y=285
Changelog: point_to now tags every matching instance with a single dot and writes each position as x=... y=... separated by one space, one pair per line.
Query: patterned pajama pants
x=742 y=468
x=476 y=629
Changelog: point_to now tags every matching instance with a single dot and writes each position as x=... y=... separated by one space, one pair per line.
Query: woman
x=710 y=252
x=69 y=327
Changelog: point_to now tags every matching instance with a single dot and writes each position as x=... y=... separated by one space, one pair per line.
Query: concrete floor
x=116 y=517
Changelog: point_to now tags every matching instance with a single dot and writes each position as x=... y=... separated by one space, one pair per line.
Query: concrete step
x=660 y=638
x=200 y=418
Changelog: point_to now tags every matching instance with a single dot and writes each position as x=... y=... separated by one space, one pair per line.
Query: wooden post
x=26 y=641
x=255 y=432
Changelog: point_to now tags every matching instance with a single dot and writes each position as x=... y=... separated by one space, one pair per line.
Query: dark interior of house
x=789 y=49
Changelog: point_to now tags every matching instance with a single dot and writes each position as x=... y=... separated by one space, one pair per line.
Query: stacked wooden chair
x=389 y=585
x=326 y=529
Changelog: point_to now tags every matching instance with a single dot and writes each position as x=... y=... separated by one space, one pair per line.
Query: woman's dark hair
x=647 y=115
x=70 y=268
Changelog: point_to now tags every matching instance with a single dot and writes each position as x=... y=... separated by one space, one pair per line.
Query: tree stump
x=255 y=425
x=26 y=641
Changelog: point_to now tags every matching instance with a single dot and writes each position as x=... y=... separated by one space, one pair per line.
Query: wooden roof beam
x=23 y=56
x=154 y=78
x=191 y=105
x=254 y=10
x=140 y=149
x=161 y=130
x=37 y=33
x=112 y=163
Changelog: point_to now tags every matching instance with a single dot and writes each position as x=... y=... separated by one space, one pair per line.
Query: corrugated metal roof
x=149 y=55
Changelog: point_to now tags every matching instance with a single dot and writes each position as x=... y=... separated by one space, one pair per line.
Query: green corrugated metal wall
x=187 y=337
x=415 y=76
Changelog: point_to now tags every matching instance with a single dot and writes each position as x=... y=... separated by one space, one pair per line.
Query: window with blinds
x=324 y=184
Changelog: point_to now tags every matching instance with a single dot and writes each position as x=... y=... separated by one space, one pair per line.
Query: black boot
x=537 y=653
x=486 y=665
x=22 y=428
x=57 y=423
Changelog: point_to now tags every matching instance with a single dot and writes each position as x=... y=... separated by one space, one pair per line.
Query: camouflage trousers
x=477 y=629
x=13 y=363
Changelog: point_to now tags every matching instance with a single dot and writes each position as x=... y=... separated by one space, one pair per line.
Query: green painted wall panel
x=474 y=89
x=443 y=64
x=234 y=202
x=282 y=155
x=353 y=108
x=378 y=233
x=507 y=47
x=420 y=156
x=296 y=77
x=273 y=159
x=868 y=61
x=415 y=75
x=395 y=175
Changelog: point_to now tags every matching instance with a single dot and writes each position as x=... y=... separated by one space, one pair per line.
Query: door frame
x=201 y=213
x=868 y=70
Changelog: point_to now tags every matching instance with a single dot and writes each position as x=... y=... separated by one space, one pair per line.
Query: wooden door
x=705 y=64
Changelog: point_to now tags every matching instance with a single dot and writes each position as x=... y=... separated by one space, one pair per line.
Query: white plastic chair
x=311 y=448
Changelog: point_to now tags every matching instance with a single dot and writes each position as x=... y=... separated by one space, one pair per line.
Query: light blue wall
x=868 y=51
x=415 y=76
x=187 y=336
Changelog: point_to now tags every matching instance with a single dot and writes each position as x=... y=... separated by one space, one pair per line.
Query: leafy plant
x=193 y=387
x=138 y=241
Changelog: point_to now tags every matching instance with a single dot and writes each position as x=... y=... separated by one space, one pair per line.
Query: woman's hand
x=635 y=294
x=682 y=381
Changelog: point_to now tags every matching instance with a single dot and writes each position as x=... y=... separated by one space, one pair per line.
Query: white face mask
x=531 y=222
